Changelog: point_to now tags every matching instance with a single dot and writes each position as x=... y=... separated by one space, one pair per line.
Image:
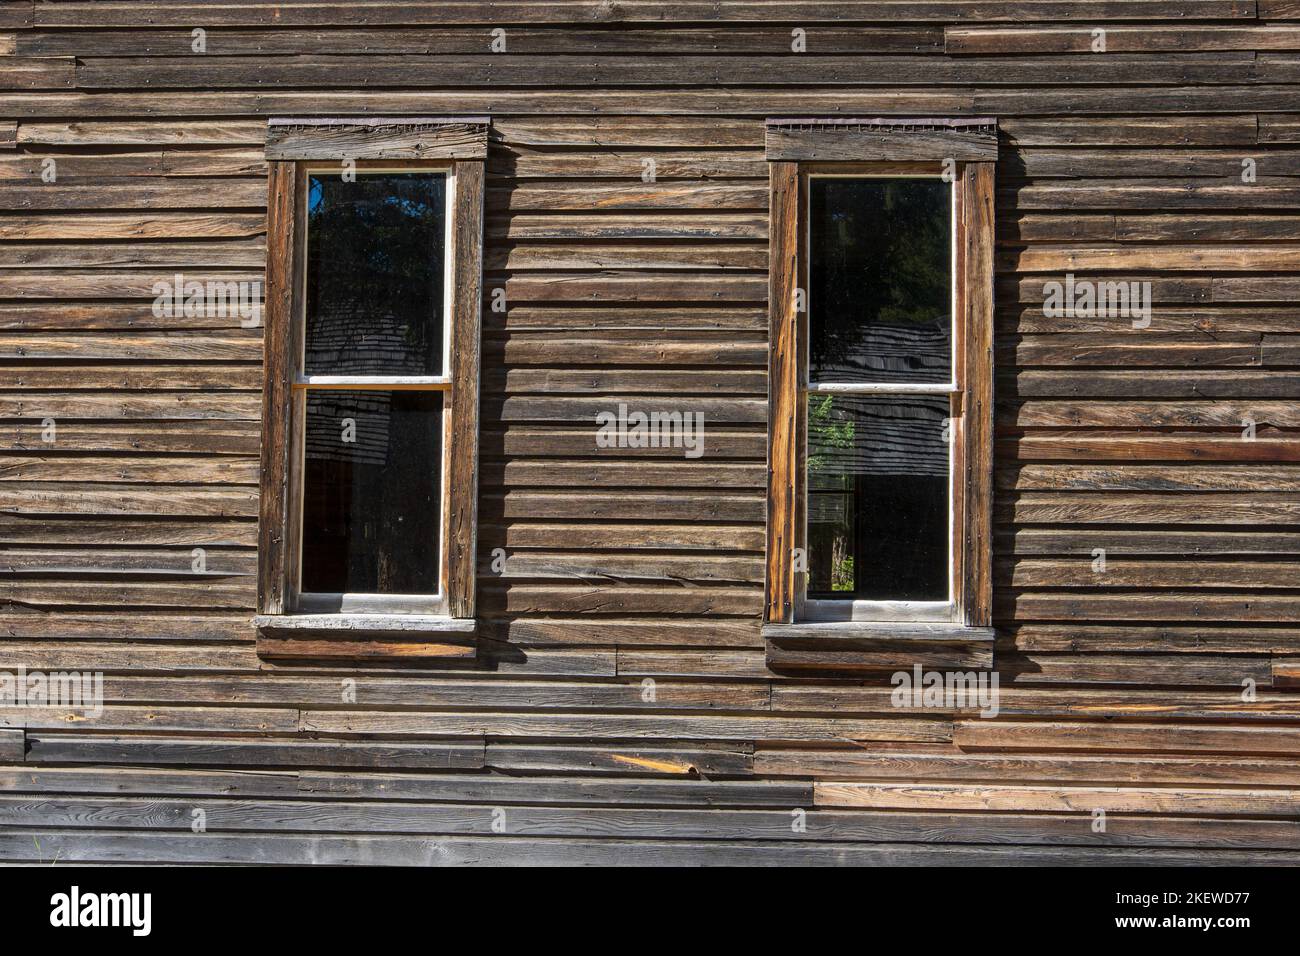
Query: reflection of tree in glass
x=830 y=430
x=824 y=431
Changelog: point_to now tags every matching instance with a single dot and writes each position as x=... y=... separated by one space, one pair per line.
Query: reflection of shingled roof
x=882 y=354
x=324 y=433
x=342 y=342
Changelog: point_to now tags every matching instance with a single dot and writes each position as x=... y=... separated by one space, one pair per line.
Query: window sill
x=365 y=637
x=857 y=647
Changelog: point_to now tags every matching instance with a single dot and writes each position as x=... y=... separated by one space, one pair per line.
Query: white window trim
x=437 y=603
x=847 y=609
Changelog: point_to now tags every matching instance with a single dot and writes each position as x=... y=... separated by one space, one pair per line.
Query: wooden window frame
x=799 y=150
x=287 y=628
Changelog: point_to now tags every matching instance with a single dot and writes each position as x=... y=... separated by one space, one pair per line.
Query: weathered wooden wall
x=1120 y=692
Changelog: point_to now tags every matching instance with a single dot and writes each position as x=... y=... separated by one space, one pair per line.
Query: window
x=371 y=396
x=880 y=391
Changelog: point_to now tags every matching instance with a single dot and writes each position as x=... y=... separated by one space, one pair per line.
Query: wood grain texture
x=463 y=451
x=619 y=702
x=783 y=377
x=395 y=138
x=977 y=298
x=881 y=140
x=275 y=595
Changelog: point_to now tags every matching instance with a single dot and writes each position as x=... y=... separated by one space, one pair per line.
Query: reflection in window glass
x=375 y=260
x=372 y=492
x=878 y=497
x=880 y=284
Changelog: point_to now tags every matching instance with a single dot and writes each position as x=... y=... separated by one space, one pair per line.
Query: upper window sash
x=829 y=384
x=441 y=382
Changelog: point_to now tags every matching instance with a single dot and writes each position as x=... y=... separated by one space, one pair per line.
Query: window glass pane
x=878 y=497
x=372 y=492
x=880 y=296
x=375 y=257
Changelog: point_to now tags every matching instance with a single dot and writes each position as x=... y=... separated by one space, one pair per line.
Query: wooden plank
x=824 y=824
x=266 y=783
x=179 y=561
x=86 y=14
x=914 y=764
x=157 y=225
x=880 y=140
x=50 y=747
x=583 y=791
x=132 y=719
x=145 y=163
x=144 y=133
x=561 y=71
x=1286 y=670
x=83 y=846
x=109 y=657
x=274 y=590
x=1188 y=383
x=1086 y=508
x=722 y=225
x=1036 y=477
x=523 y=162
x=511 y=599
x=180 y=255
x=443 y=38
x=212 y=406
x=83 y=530
x=54 y=498
x=524 y=473
x=619 y=727
x=1230 y=670
x=782 y=397
x=949 y=797
x=1217 y=95
x=463 y=449
x=1165 y=738
x=281 y=646
x=976 y=430
x=850 y=658
x=377 y=138
x=1256 y=258
x=434 y=687
x=192 y=436
x=713 y=631
x=1279 y=128
x=1121 y=638
x=1193 y=707
x=1159 y=606
x=663 y=761
x=631 y=567
x=624 y=506
x=13 y=745
x=139 y=627
x=37 y=72
x=1119 y=39
x=538 y=256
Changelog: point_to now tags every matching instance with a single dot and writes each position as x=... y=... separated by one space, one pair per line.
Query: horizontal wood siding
x=620 y=701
